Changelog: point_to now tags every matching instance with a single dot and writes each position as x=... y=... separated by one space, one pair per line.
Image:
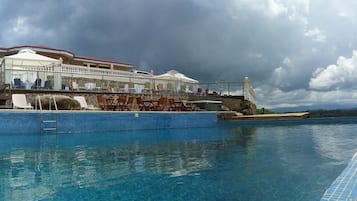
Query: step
x=49 y=121
x=49 y=129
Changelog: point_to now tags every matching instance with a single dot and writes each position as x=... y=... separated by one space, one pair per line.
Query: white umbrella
x=176 y=77
x=28 y=57
x=184 y=78
x=173 y=75
x=28 y=60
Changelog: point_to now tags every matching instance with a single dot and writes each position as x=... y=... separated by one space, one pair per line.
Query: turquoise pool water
x=289 y=160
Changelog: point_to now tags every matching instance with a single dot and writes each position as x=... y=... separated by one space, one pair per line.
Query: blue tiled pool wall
x=76 y=122
x=345 y=185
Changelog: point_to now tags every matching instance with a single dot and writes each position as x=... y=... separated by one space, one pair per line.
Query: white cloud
x=270 y=8
x=255 y=55
x=298 y=18
x=298 y=10
x=17 y=28
x=316 y=35
x=341 y=75
x=279 y=98
x=277 y=8
x=278 y=76
x=281 y=75
x=287 y=61
x=20 y=26
x=23 y=30
x=304 y=5
x=302 y=97
x=342 y=14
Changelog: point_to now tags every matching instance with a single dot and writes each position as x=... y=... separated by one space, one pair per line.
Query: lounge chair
x=173 y=106
x=122 y=103
x=162 y=104
x=103 y=103
x=130 y=103
x=147 y=88
x=19 y=102
x=18 y=83
x=74 y=86
x=36 y=84
x=186 y=107
x=82 y=101
x=48 y=84
x=144 y=105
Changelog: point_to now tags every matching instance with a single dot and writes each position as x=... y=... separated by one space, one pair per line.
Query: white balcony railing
x=74 y=71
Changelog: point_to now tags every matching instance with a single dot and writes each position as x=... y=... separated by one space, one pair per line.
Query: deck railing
x=67 y=68
x=102 y=76
x=228 y=88
x=106 y=79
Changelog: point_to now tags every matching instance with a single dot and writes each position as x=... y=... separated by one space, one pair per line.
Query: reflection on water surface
x=228 y=162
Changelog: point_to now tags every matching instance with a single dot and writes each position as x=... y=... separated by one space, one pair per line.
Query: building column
x=57 y=76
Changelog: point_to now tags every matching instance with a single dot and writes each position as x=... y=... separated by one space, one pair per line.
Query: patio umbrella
x=28 y=57
x=176 y=77
x=173 y=75
x=31 y=64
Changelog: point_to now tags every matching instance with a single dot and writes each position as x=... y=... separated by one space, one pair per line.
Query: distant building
x=69 y=57
x=49 y=68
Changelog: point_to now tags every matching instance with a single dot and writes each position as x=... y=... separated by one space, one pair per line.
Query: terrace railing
x=228 y=88
x=73 y=72
x=106 y=79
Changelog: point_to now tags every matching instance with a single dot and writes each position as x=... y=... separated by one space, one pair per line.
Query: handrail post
x=55 y=103
x=38 y=98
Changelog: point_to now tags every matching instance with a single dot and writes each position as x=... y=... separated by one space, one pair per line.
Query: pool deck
x=345 y=185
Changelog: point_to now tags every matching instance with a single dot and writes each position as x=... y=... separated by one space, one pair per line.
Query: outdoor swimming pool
x=289 y=160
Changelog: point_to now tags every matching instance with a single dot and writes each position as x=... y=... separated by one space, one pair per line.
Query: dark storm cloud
x=273 y=42
x=206 y=42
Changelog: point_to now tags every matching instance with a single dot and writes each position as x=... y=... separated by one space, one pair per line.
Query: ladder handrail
x=38 y=101
x=52 y=99
x=45 y=122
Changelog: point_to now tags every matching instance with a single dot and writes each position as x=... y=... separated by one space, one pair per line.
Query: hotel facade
x=39 y=67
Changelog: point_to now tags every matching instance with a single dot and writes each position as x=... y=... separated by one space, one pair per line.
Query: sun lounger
x=144 y=105
x=82 y=101
x=122 y=103
x=19 y=102
x=162 y=104
x=103 y=103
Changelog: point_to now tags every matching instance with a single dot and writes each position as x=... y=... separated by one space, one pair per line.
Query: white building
x=38 y=67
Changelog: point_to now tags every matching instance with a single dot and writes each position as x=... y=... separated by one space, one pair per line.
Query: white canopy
x=176 y=76
x=28 y=57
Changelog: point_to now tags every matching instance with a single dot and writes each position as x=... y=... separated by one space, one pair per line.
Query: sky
x=296 y=53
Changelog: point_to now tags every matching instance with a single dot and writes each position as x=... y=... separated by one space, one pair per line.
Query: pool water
x=293 y=160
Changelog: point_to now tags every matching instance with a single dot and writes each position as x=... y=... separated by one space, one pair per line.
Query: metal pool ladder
x=49 y=119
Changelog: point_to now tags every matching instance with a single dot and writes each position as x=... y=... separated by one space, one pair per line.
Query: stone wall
x=231 y=103
x=90 y=96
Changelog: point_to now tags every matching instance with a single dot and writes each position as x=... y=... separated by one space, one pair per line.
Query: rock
x=225 y=108
x=63 y=102
x=238 y=114
x=248 y=108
